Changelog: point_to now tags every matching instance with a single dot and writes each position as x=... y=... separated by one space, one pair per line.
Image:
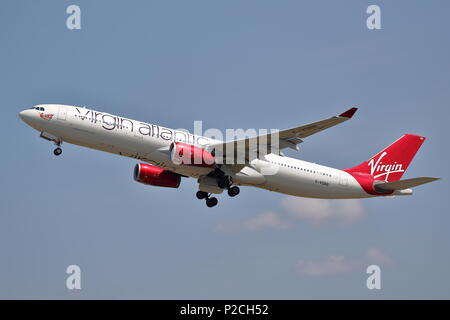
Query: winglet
x=349 y=113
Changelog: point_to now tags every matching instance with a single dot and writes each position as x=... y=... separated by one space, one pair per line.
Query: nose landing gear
x=58 y=149
x=55 y=139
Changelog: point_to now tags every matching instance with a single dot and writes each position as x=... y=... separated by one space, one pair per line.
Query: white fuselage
x=150 y=143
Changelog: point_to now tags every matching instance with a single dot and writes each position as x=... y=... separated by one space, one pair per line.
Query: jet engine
x=181 y=153
x=155 y=176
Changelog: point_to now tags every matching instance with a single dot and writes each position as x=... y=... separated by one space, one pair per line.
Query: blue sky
x=231 y=64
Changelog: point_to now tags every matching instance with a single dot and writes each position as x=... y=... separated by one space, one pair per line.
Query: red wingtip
x=349 y=113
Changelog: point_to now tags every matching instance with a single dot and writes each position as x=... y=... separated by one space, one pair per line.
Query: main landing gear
x=210 y=201
x=224 y=182
x=233 y=191
x=217 y=180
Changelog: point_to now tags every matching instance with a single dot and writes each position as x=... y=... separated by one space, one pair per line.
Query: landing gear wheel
x=211 y=202
x=57 y=151
x=233 y=191
x=201 y=195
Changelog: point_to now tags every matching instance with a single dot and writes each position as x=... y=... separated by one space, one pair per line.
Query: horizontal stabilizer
x=404 y=184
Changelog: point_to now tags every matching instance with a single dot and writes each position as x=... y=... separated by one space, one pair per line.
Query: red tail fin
x=390 y=163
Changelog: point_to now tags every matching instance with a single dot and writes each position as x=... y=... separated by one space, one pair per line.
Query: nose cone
x=26 y=115
x=22 y=114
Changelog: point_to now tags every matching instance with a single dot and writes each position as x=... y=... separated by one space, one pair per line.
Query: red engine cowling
x=155 y=176
x=187 y=154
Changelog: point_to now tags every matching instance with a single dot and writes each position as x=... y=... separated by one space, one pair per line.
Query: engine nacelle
x=155 y=176
x=186 y=154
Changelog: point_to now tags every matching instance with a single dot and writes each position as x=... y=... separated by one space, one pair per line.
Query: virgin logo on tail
x=386 y=169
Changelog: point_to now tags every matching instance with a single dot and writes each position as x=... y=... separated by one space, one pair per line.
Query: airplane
x=168 y=155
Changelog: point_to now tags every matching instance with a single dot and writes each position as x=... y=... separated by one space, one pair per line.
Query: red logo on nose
x=48 y=116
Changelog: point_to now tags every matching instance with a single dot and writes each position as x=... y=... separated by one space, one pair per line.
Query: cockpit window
x=42 y=109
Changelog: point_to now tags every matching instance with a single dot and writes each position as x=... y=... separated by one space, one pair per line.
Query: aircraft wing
x=292 y=137
x=288 y=138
